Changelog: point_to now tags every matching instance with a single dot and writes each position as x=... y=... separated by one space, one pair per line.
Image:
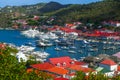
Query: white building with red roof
x=109 y=64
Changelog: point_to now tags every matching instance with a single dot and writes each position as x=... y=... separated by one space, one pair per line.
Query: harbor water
x=81 y=49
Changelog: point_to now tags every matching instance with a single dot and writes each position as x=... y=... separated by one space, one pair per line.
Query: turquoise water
x=15 y=37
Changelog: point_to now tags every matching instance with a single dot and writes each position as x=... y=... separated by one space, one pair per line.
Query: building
x=109 y=64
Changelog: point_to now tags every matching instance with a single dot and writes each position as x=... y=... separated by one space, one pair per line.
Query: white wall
x=111 y=68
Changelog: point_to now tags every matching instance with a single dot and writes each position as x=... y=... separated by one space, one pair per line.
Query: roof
x=79 y=68
x=118 y=68
x=58 y=70
x=42 y=66
x=108 y=62
x=61 y=79
x=62 y=61
x=117 y=54
x=76 y=67
x=80 y=63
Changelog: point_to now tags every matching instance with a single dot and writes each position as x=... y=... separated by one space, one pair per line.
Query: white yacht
x=71 y=51
x=43 y=43
x=42 y=55
x=24 y=48
x=31 y=33
x=57 y=49
x=64 y=47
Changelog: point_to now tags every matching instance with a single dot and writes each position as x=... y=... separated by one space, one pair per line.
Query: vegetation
x=81 y=76
x=87 y=13
x=10 y=69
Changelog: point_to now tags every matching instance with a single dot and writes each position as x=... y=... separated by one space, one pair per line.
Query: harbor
x=77 y=48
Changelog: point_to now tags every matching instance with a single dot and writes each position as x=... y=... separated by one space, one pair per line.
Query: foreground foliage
x=10 y=69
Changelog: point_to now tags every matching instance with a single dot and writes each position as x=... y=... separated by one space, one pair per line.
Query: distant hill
x=88 y=13
x=93 y=12
x=52 y=6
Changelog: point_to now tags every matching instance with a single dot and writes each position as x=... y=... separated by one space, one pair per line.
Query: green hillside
x=94 y=12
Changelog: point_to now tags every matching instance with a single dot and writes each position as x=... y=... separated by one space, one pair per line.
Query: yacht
x=24 y=48
x=65 y=48
x=41 y=55
x=71 y=51
x=44 y=43
x=57 y=49
x=31 y=33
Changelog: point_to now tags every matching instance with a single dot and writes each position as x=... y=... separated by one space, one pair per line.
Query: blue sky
x=27 y=2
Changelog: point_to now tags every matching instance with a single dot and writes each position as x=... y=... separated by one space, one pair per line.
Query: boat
x=80 y=51
x=41 y=55
x=48 y=36
x=86 y=42
x=73 y=47
x=65 y=48
x=71 y=51
x=31 y=33
x=43 y=43
x=57 y=49
x=24 y=48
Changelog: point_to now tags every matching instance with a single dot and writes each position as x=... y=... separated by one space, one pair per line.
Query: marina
x=79 y=48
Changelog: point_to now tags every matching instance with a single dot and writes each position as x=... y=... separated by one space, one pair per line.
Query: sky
x=4 y=3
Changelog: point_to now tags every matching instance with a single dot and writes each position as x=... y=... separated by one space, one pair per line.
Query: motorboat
x=57 y=49
x=41 y=55
x=73 y=47
x=71 y=51
x=24 y=48
x=65 y=48
x=31 y=33
x=44 y=43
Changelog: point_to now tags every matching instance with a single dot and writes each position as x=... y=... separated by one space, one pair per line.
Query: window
x=64 y=63
x=58 y=64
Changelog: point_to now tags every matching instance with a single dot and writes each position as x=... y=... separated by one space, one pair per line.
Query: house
x=109 y=64
x=58 y=71
x=81 y=63
x=65 y=61
x=42 y=66
x=112 y=23
x=75 y=68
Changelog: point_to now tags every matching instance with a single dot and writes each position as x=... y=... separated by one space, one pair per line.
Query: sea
x=82 y=50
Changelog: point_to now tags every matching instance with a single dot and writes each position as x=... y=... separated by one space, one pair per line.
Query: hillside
x=52 y=6
x=94 y=12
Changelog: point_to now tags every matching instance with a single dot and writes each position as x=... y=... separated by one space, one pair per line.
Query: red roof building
x=61 y=72
x=75 y=68
x=109 y=64
x=42 y=66
x=83 y=64
x=62 y=61
x=118 y=68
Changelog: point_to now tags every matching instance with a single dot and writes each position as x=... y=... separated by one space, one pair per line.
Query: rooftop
x=108 y=62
